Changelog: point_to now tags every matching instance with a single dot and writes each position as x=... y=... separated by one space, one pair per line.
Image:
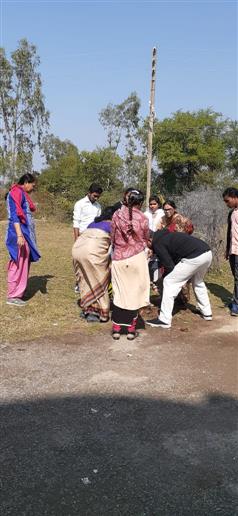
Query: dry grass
x=52 y=308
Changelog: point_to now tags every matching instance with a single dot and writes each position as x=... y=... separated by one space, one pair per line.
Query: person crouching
x=184 y=258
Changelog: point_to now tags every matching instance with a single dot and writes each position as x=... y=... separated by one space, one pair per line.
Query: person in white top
x=230 y=197
x=85 y=211
x=154 y=213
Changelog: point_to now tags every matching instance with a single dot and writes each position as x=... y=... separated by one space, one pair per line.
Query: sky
x=96 y=52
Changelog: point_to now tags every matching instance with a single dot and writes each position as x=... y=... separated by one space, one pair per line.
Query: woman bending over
x=91 y=251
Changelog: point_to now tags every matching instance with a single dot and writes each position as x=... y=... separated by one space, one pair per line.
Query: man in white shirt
x=230 y=197
x=85 y=211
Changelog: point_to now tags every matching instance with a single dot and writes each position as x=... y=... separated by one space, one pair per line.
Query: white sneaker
x=16 y=301
x=205 y=317
x=76 y=289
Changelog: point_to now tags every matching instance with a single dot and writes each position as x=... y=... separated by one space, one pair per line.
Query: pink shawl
x=16 y=192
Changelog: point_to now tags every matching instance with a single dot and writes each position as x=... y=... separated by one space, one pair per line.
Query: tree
x=189 y=148
x=231 y=146
x=23 y=115
x=53 y=148
x=121 y=120
x=70 y=172
x=102 y=166
x=122 y=123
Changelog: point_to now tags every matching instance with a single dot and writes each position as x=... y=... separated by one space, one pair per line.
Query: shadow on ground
x=219 y=291
x=37 y=284
x=100 y=456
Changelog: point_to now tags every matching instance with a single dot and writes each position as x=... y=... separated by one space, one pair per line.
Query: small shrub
x=206 y=209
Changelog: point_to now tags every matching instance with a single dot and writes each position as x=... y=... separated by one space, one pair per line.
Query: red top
x=129 y=237
x=16 y=194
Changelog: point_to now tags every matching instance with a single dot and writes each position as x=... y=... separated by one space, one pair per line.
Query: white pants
x=194 y=269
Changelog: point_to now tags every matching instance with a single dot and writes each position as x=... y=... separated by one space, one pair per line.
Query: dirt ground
x=90 y=426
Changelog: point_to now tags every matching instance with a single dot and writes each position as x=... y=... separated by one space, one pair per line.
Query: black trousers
x=233 y=259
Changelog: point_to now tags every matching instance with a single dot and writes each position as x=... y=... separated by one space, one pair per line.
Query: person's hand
x=159 y=226
x=20 y=240
x=226 y=255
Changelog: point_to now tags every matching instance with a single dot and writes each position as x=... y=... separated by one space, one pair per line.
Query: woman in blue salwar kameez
x=20 y=238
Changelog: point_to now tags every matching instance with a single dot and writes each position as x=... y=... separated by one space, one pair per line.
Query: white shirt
x=234 y=232
x=85 y=212
x=154 y=218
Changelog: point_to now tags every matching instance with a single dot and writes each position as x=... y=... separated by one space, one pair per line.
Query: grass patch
x=52 y=304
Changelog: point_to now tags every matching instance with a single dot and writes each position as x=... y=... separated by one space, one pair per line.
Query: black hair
x=125 y=193
x=230 y=192
x=94 y=187
x=106 y=214
x=171 y=203
x=135 y=198
x=26 y=178
x=156 y=199
x=128 y=190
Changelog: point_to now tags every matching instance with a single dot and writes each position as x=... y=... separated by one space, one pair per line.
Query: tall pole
x=151 y=124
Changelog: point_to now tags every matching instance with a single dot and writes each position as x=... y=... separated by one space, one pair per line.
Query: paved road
x=148 y=428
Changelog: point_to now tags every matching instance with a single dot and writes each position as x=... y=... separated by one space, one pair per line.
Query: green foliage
x=102 y=166
x=121 y=120
x=189 y=148
x=69 y=173
x=231 y=144
x=23 y=115
x=134 y=173
x=53 y=148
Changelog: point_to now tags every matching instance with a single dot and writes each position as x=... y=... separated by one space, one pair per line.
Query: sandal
x=131 y=335
x=116 y=335
x=92 y=318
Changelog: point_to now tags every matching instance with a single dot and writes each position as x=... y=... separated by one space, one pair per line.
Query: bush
x=206 y=209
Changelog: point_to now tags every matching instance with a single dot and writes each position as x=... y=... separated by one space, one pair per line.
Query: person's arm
x=76 y=219
x=188 y=226
x=164 y=256
x=113 y=228
x=20 y=237
x=16 y=222
x=146 y=231
x=76 y=233
x=159 y=218
x=228 y=236
x=161 y=224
